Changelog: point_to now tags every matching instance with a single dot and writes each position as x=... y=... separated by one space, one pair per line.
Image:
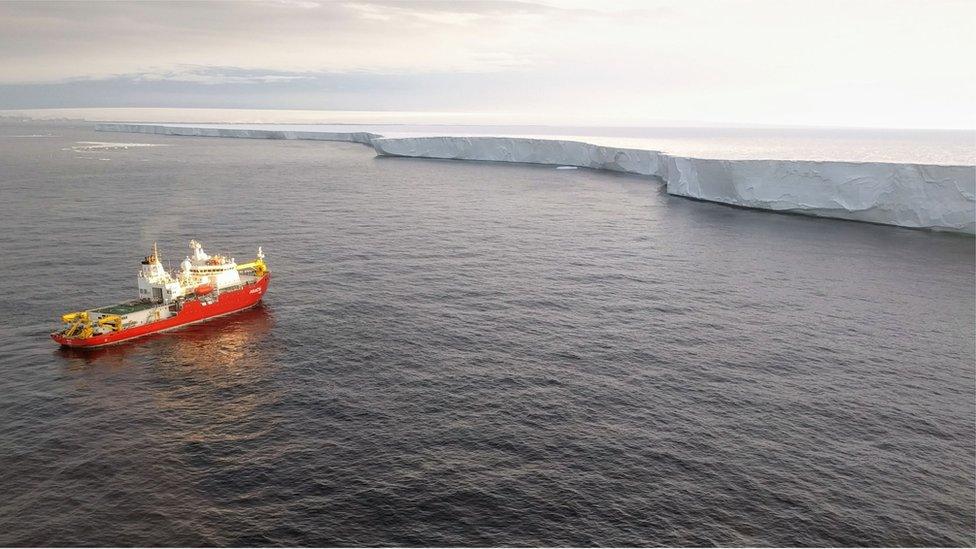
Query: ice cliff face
x=519 y=149
x=245 y=133
x=907 y=195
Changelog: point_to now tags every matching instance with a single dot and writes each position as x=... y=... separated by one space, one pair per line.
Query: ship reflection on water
x=226 y=342
x=206 y=396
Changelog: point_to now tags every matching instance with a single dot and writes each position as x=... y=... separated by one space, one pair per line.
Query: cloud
x=769 y=61
x=54 y=41
x=297 y=3
x=216 y=75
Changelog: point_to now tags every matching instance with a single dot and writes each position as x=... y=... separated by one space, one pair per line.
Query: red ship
x=205 y=287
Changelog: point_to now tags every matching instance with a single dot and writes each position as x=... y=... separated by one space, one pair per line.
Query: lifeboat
x=203 y=289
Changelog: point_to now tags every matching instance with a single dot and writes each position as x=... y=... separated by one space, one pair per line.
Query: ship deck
x=126 y=308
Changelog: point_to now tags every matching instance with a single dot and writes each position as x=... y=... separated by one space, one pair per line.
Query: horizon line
x=659 y=123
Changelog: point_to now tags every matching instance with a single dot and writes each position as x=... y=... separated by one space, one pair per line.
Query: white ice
x=907 y=195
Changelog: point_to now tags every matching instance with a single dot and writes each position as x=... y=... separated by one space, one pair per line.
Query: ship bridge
x=155 y=284
x=200 y=268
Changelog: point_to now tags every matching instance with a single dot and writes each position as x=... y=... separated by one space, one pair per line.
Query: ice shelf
x=243 y=133
x=907 y=195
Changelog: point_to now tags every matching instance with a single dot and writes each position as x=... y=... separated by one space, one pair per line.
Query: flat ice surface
x=949 y=147
x=920 y=195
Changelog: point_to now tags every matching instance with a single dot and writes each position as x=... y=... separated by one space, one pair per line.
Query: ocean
x=471 y=354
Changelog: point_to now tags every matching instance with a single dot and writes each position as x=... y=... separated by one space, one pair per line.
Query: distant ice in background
x=906 y=194
x=96 y=146
x=947 y=147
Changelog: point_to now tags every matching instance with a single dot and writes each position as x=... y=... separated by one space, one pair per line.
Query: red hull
x=192 y=311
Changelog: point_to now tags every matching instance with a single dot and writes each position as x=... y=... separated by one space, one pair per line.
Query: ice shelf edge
x=906 y=195
x=241 y=133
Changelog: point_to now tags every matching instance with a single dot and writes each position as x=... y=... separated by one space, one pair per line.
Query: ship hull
x=192 y=312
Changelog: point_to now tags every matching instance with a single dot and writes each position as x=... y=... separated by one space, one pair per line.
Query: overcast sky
x=873 y=64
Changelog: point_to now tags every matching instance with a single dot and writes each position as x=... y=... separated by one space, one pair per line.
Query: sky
x=894 y=63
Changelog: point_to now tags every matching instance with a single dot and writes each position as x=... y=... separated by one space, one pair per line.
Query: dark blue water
x=472 y=354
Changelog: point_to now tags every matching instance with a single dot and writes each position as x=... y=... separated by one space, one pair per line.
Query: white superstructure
x=198 y=270
x=213 y=270
x=155 y=283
